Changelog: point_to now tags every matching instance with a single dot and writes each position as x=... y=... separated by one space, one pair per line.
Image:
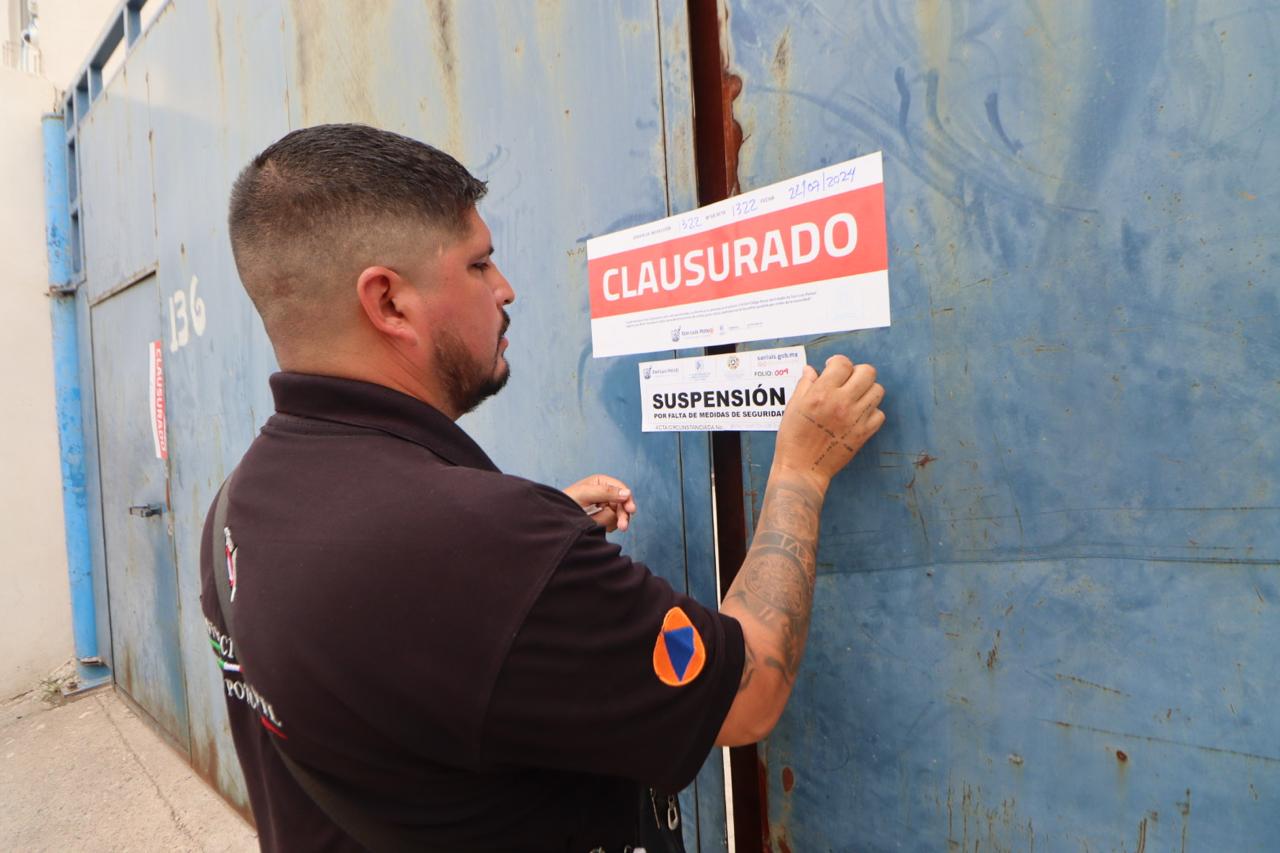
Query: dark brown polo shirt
x=461 y=650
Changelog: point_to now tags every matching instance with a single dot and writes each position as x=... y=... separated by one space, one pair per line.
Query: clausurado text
x=802 y=243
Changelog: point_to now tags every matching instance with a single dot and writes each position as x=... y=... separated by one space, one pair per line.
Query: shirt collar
x=364 y=404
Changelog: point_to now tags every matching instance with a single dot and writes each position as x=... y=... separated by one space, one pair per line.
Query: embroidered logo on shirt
x=231 y=561
x=678 y=655
x=237 y=687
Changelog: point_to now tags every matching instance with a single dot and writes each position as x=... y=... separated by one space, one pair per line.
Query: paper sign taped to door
x=159 y=430
x=737 y=391
x=805 y=256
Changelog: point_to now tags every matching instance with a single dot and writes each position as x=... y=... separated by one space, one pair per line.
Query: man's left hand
x=611 y=496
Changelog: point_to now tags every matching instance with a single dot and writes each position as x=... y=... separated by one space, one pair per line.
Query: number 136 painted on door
x=180 y=324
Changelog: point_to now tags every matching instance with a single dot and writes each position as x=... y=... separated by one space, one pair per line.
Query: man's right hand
x=829 y=418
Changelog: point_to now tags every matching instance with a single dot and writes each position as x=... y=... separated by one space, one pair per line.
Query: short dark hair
x=323 y=202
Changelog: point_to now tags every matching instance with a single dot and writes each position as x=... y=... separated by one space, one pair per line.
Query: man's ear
x=387 y=298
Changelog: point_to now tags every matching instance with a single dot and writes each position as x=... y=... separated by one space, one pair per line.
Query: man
x=423 y=652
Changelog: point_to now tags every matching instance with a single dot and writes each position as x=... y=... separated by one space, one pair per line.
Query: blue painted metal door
x=141 y=575
x=1046 y=607
x=577 y=113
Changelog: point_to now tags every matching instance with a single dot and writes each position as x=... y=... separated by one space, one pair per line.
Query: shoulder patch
x=678 y=654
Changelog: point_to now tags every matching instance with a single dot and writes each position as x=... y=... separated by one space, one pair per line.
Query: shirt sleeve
x=614 y=673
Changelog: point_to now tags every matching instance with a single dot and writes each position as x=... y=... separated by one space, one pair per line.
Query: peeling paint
x=443 y=17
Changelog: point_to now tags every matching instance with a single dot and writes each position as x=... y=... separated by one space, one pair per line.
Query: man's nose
x=505 y=292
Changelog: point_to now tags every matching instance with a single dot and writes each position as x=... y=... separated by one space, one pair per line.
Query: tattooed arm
x=828 y=419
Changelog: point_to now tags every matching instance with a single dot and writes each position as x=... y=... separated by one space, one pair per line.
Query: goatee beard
x=468 y=383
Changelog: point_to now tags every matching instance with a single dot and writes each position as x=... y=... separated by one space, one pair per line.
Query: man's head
x=364 y=254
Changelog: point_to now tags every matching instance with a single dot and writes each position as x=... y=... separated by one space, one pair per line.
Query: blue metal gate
x=1046 y=609
x=578 y=113
x=1047 y=589
x=143 y=604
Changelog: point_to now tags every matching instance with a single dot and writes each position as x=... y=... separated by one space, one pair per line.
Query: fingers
x=807 y=378
x=836 y=372
x=875 y=421
x=601 y=489
x=872 y=398
x=842 y=373
x=872 y=418
x=624 y=499
x=861 y=380
x=612 y=518
x=606 y=518
x=600 y=493
x=613 y=496
x=832 y=417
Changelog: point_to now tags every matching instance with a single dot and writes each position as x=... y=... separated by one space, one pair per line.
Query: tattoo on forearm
x=780 y=580
x=748 y=666
x=775 y=584
x=749 y=663
x=797 y=548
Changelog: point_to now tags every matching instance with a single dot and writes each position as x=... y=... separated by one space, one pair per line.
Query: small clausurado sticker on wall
x=737 y=391
x=159 y=430
x=805 y=256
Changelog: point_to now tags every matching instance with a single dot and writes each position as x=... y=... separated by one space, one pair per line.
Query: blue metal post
x=66 y=377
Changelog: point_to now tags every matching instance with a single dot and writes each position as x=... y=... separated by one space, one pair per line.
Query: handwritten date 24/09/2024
x=798 y=190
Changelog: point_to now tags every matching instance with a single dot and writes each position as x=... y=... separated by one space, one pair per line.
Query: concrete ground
x=89 y=775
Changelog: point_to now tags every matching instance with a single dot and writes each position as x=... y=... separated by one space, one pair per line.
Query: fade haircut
x=322 y=204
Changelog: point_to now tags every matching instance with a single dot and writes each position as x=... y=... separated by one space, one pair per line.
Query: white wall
x=35 y=610
x=67 y=28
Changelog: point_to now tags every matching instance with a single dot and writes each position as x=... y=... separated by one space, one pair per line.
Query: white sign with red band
x=738 y=391
x=805 y=256
x=159 y=431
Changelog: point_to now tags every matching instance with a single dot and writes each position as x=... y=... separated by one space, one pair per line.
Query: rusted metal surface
x=143 y=608
x=677 y=58
x=718 y=138
x=579 y=115
x=1045 y=615
x=118 y=216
